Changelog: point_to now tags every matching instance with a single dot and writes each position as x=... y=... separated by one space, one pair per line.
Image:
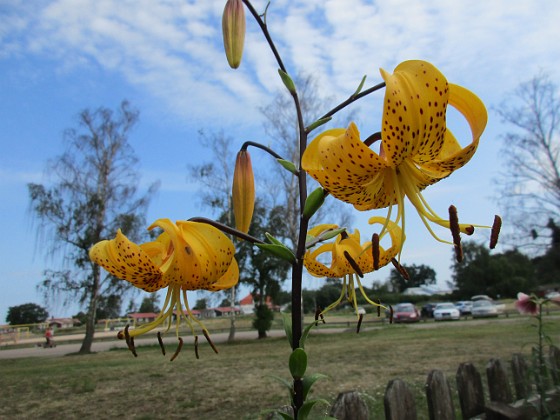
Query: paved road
x=98 y=346
x=63 y=349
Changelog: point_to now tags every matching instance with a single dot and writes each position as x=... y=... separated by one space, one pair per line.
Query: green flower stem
x=352 y=99
x=264 y=29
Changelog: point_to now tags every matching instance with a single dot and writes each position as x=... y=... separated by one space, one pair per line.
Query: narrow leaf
x=288 y=327
x=280 y=251
x=288 y=165
x=308 y=382
x=305 y=409
x=317 y=123
x=361 y=85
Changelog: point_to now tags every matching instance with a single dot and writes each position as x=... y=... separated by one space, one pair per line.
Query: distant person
x=48 y=336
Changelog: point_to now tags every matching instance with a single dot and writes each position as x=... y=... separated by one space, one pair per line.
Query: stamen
x=319 y=314
x=129 y=341
x=354 y=264
x=160 y=341
x=375 y=250
x=496 y=226
x=196 y=346
x=379 y=307
x=372 y=139
x=402 y=271
x=210 y=341
x=390 y=314
x=455 y=232
x=179 y=347
x=359 y=323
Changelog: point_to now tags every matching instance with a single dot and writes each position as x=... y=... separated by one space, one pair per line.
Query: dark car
x=405 y=312
x=428 y=310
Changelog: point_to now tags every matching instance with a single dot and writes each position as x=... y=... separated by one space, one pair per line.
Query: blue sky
x=58 y=57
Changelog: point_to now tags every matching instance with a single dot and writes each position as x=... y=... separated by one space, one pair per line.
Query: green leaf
x=360 y=86
x=281 y=251
x=284 y=415
x=308 y=382
x=298 y=363
x=287 y=384
x=287 y=318
x=324 y=236
x=313 y=202
x=290 y=166
x=305 y=334
x=305 y=409
x=287 y=80
x=317 y=123
x=272 y=239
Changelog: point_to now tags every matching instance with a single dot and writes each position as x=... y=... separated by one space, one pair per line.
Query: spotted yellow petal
x=126 y=260
x=474 y=111
x=414 y=110
x=314 y=266
x=228 y=280
x=212 y=250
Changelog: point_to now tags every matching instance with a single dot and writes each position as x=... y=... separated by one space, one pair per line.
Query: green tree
x=419 y=275
x=28 y=313
x=94 y=191
x=547 y=266
x=263 y=272
x=108 y=307
x=530 y=183
x=500 y=275
x=150 y=304
x=200 y=304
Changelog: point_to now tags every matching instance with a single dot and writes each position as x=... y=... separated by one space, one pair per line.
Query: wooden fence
x=505 y=402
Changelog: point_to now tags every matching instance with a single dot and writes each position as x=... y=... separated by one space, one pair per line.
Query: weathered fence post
x=438 y=394
x=399 y=402
x=520 y=372
x=349 y=406
x=471 y=393
x=498 y=385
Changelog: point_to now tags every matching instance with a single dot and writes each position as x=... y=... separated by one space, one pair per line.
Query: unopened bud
x=243 y=191
x=233 y=29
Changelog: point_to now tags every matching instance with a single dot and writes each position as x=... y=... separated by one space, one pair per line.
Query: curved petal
x=228 y=280
x=182 y=267
x=212 y=249
x=397 y=239
x=316 y=268
x=126 y=260
x=414 y=112
x=317 y=230
x=348 y=169
x=474 y=111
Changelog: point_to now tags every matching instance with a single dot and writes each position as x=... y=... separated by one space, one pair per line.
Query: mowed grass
x=237 y=383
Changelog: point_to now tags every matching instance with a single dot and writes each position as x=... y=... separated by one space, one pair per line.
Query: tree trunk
x=231 y=336
x=90 y=323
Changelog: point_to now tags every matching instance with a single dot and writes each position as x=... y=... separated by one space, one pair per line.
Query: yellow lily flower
x=350 y=259
x=186 y=256
x=416 y=147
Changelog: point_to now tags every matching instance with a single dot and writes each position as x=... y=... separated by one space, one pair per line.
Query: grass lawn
x=236 y=384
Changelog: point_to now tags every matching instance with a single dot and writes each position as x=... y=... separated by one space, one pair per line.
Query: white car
x=484 y=309
x=446 y=310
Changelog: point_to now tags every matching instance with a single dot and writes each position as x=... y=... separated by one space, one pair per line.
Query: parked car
x=464 y=306
x=405 y=312
x=481 y=297
x=446 y=310
x=484 y=308
x=428 y=310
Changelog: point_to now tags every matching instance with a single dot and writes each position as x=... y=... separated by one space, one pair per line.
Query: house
x=142 y=317
x=247 y=305
x=59 y=323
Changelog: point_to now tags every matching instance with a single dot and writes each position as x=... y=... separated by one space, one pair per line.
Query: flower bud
x=233 y=29
x=243 y=191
